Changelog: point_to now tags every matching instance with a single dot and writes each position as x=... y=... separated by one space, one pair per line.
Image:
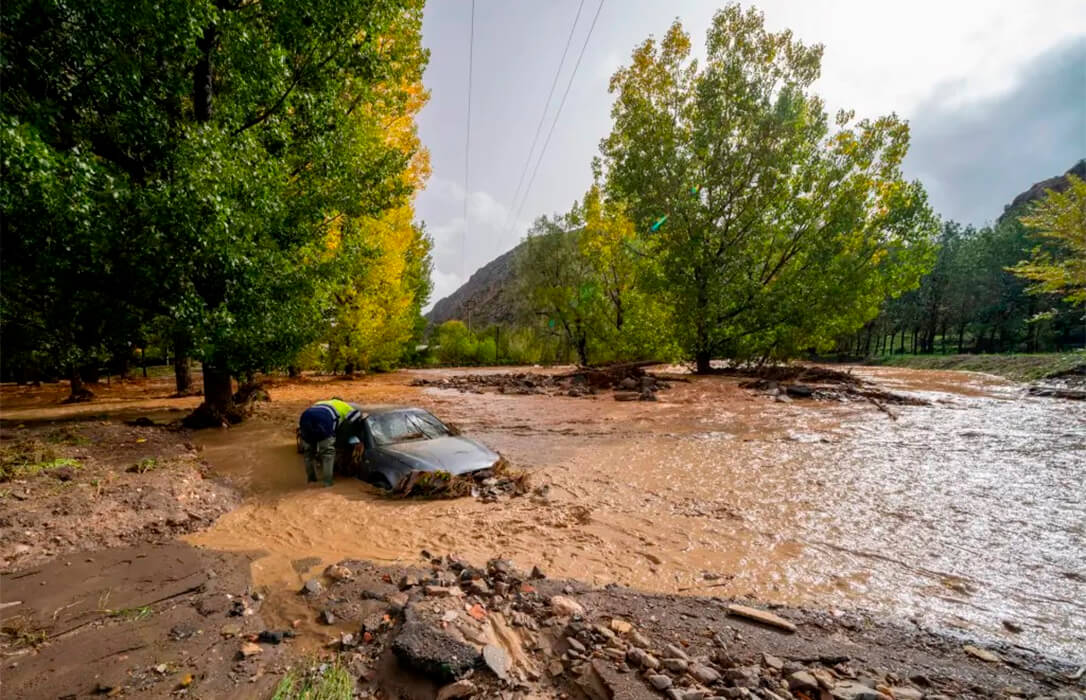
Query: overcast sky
x=995 y=93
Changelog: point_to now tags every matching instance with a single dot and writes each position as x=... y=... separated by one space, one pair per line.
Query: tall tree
x=1057 y=265
x=780 y=234
x=208 y=147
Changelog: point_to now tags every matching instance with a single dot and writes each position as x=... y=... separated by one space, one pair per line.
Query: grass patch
x=145 y=465
x=68 y=436
x=28 y=457
x=326 y=681
x=1016 y=367
x=131 y=614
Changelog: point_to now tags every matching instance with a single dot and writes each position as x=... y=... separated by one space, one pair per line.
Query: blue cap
x=353 y=440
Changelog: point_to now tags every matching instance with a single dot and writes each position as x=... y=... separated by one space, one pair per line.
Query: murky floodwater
x=961 y=514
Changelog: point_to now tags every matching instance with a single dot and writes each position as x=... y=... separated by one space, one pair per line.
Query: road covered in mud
x=963 y=516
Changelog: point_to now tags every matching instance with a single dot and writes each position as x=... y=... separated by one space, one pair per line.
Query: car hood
x=456 y=455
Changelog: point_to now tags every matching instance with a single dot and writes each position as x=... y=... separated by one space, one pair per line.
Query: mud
x=120 y=485
x=957 y=517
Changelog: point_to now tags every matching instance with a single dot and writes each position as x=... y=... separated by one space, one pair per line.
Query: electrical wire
x=558 y=114
x=467 y=149
x=543 y=117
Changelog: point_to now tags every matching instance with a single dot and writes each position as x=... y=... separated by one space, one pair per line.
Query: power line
x=543 y=114
x=467 y=148
x=543 y=151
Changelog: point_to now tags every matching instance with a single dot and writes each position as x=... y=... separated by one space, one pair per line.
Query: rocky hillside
x=1058 y=183
x=487 y=297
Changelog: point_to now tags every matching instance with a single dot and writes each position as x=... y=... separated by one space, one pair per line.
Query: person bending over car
x=322 y=427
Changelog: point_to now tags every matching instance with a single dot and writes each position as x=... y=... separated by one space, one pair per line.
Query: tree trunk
x=79 y=392
x=182 y=373
x=349 y=369
x=703 y=360
x=218 y=409
x=218 y=389
x=961 y=339
x=916 y=332
x=293 y=372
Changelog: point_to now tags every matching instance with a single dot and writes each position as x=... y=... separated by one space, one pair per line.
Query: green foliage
x=1059 y=220
x=185 y=161
x=327 y=681
x=780 y=234
x=456 y=345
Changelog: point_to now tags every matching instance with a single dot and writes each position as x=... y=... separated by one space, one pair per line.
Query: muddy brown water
x=958 y=515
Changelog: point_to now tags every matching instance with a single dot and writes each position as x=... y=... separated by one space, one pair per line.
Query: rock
x=982 y=654
x=408 y=581
x=312 y=587
x=773 y=662
x=432 y=652
x=347 y=641
x=800 y=391
x=443 y=591
x=1012 y=626
x=853 y=690
x=604 y=632
x=64 y=473
x=825 y=679
x=802 y=680
x=640 y=640
x=563 y=606
x=478 y=587
x=744 y=676
x=272 y=636
x=676 y=652
x=675 y=665
x=338 y=573
x=628 y=384
x=397 y=601
x=695 y=695
x=497 y=661
x=460 y=689
x=766 y=618
x=327 y=617
x=537 y=573
x=704 y=674
x=621 y=626
x=659 y=681
x=575 y=645
x=627 y=396
x=905 y=693
x=556 y=668
x=642 y=659
x=249 y=649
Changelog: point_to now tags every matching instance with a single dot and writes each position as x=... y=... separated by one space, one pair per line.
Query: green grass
x=25 y=458
x=1017 y=367
x=145 y=465
x=326 y=681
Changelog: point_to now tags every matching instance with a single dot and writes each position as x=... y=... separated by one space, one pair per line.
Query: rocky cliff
x=487 y=298
x=1058 y=183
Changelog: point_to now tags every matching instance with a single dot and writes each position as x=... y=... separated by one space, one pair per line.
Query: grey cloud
x=974 y=157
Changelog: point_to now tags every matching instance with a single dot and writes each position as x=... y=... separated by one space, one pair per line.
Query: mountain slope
x=486 y=299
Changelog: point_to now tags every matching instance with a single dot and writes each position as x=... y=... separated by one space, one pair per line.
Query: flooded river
x=962 y=514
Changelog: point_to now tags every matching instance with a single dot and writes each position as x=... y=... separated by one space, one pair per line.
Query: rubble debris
x=433 y=653
x=629 y=381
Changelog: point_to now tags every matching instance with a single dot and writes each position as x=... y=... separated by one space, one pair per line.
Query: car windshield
x=402 y=426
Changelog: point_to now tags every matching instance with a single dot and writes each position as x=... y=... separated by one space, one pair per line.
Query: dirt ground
x=98 y=594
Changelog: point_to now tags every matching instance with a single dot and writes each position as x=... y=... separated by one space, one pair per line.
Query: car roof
x=381 y=410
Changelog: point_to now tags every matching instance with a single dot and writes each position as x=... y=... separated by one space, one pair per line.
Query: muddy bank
x=144 y=621
x=97 y=484
x=155 y=621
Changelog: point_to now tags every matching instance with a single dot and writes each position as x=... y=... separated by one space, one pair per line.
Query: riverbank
x=1018 y=368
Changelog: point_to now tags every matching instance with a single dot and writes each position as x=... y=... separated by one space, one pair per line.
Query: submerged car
x=400 y=441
